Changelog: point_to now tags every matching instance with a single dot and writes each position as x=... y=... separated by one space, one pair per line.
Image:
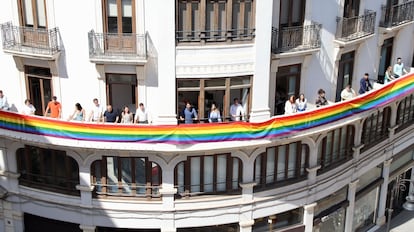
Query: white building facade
x=340 y=176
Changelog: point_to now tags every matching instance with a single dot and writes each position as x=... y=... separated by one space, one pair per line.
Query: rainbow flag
x=285 y=125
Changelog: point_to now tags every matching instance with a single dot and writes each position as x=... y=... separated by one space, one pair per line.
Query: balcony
x=31 y=42
x=117 y=48
x=245 y=34
x=355 y=28
x=394 y=16
x=293 y=39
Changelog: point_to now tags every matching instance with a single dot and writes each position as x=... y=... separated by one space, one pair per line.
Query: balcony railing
x=117 y=46
x=296 y=38
x=215 y=36
x=396 y=15
x=356 y=27
x=36 y=41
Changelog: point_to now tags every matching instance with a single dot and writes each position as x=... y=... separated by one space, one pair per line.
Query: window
x=351 y=8
x=119 y=16
x=39 y=87
x=122 y=91
x=286 y=221
x=33 y=13
x=126 y=176
x=208 y=174
x=281 y=163
x=405 y=113
x=336 y=147
x=47 y=169
x=214 y=20
x=201 y=93
x=345 y=73
x=287 y=83
x=292 y=13
x=375 y=128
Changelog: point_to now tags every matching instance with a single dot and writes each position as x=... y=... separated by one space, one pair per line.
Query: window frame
x=324 y=154
x=300 y=174
x=34 y=10
x=151 y=190
x=105 y=15
x=406 y=117
x=375 y=128
x=28 y=177
x=186 y=192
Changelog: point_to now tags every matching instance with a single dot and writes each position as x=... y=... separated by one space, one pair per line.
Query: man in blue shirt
x=189 y=113
x=365 y=85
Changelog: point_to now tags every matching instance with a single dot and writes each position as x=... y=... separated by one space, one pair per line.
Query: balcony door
x=292 y=14
x=351 y=8
x=345 y=72
x=119 y=25
x=385 y=60
x=287 y=83
x=122 y=91
x=39 y=87
x=33 y=20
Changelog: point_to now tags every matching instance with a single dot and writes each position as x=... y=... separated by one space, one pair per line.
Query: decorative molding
x=247 y=223
x=214 y=70
x=85 y=188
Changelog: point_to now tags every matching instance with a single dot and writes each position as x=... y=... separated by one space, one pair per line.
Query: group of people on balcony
x=189 y=114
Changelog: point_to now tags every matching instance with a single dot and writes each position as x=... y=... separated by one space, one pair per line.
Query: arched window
x=405 y=113
x=375 y=128
x=208 y=174
x=281 y=164
x=47 y=169
x=126 y=176
x=336 y=147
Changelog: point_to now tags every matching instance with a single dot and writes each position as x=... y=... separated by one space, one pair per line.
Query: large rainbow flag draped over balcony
x=201 y=133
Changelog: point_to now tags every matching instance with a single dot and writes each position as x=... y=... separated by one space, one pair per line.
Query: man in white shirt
x=28 y=108
x=236 y=110
x=141 y=115
x=97 y=112
x=347 y=93
x=4 y=105
x=399 y=69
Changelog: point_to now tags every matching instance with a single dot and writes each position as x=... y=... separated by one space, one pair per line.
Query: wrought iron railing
x=356 y=27
x=37 y=41
x=296 y=38
x=122 y=46
x=396 y=15
x=215 y=36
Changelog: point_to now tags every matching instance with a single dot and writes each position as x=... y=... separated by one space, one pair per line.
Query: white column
x=350 y=209
x=86 y=228
x=260 y=101
x=246 y=218
x=167 y=192
x=308 y=217
x=161 y=59
x=383 y=193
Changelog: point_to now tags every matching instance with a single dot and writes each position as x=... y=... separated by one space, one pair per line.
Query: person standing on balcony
x=290 y=105
x=141 y=115
x=97 y=112
x=301 y=103
x=347 y=93
x=55 y=108
x=236 y=110
x=365 y=85
x=28 y=108
x=214 y=115
x=111 y=115
x=4 y=105
x=321 y=99
x=78 y=114
x=399 y=69
x=127 y=117
x=388 y=75
x=189 y=114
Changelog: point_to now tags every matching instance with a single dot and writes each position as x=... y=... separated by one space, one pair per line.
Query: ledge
x=343 y=44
